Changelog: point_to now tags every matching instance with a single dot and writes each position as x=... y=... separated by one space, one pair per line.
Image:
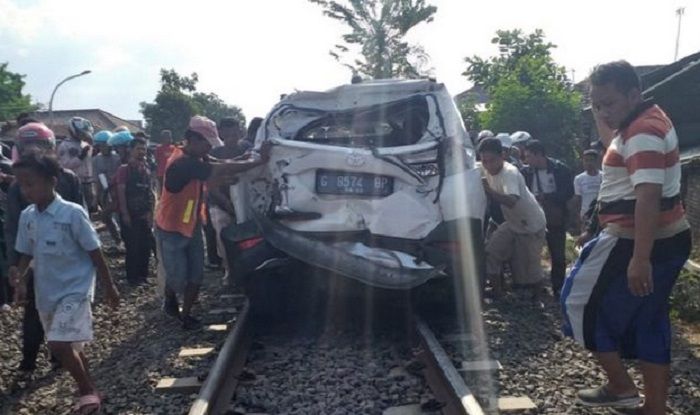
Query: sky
x=250 y=52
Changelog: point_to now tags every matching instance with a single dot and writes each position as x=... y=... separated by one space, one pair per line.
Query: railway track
x=444 y=380
x=220 y=385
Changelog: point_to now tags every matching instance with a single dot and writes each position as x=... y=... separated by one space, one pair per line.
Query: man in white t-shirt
x=587 y=184
x=520 y=238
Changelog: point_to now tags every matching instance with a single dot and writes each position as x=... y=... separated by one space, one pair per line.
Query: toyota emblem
x=355 y=160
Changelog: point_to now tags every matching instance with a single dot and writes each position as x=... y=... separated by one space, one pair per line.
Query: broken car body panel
x=359 y=165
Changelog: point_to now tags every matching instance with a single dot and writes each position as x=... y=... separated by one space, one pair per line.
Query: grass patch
x=685 y=298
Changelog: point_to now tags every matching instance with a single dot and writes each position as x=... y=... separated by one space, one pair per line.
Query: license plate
x=362 y=184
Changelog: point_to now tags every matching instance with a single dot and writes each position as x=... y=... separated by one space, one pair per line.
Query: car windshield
x=393 y=124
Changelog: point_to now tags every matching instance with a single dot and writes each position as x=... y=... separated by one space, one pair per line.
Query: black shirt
x=227 y=152
x=184 y=170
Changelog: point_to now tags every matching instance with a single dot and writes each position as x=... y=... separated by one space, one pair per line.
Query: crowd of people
x=557 y=203
x=53 y=253
x=631 y=222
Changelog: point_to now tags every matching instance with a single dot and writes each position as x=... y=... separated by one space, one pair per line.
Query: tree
x=378 y=29
x=12 y=100
x=528 y=91
x=178 y=100
x=470 y=114
x=215 y=108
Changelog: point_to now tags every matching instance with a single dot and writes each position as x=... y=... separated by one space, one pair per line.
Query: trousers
x=137 y=239
x=556 y=244
x=32 y=330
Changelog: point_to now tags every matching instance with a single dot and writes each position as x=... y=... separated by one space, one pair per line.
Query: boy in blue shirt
x=59 y=239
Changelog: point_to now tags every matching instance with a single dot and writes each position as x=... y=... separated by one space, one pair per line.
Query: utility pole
x=679 y=11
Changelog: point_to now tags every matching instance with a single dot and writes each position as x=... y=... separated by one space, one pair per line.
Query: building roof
x=676 y=88
x=643 y=71
x=477 y=93
x=100 y=119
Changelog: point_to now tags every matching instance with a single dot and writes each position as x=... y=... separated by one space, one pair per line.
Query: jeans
x=210 y=234
x=137 y=240
x=182 y=258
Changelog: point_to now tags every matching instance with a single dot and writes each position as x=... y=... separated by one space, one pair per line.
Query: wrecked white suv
x=374 y=181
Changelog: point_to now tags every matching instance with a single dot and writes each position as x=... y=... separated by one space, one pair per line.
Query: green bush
x=685 y=299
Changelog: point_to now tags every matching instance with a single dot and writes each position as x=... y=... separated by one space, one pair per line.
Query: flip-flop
x=88 y=400
x=628 y=411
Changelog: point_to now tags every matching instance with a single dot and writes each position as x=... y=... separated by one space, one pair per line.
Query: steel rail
x=218 y=389
x=443 y=378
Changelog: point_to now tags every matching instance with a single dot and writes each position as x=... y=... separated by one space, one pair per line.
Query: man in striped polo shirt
x=615 y=300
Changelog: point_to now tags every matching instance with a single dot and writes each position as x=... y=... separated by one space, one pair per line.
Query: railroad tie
x=179 y=385
x=195 y=352
x=480 y=366
x=223 y=311
x=511 y=404
x=217 y=327
x=236 y=299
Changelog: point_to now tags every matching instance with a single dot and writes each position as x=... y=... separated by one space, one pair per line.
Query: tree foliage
x=376 y=40
x=12 y=100
x=528 y=91
x=178 y=100
x=470 y=115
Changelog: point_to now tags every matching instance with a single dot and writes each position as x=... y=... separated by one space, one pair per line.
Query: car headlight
x=424 y=163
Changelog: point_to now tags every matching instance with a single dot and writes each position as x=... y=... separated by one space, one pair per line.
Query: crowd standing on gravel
x=614 y=300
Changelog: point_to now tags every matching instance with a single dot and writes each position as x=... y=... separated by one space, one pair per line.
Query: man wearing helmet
x=519 y=139
x=120 y=143
x=31 y=138
x=75 y=153
x=484 y=134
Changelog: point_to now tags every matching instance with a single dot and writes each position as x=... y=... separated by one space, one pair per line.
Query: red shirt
x=163 y=153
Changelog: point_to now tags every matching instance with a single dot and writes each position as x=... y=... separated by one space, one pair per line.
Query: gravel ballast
x=539 y=362
x=342 y=374
x=345 y=372
x=134 y=348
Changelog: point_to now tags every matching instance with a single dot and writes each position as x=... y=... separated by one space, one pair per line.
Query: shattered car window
x=394 y=124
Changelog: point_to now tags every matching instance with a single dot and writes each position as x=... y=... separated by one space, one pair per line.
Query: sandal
x=86 y=401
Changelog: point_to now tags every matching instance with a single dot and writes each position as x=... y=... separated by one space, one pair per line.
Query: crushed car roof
x=361 y=94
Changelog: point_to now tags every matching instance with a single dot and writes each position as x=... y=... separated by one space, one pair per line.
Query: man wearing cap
x=181 y=212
